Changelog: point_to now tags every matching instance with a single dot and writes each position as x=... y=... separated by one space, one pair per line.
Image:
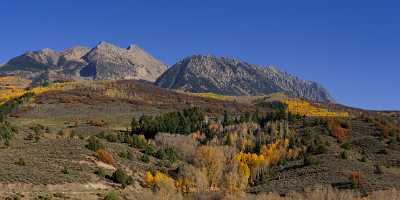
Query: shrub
x=109 y=136
x=120 y=177
x=112 y=195
x=98 y=123
x=102 y=135
x=355 y=180
x=392 y=141
x=318 y=146
x=6 y=133
x=168 y=154
x=345 y=124
x=134 y=124
x=364 y=159
x=144 y=158
x=104 y=156
x=38 y=128
x=150 y=150
x=137 y=141
x=378 y=169
x=310 y=160
x=344 y=155
x=66 y=171
x=346 y=146
x=127 y=155
x=112 y=137
x=101 y=172
x=321 y=149
x=94 y=144
x=20 y=162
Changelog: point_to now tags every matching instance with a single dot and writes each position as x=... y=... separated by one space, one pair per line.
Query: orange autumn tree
x=337 y=130
x=104 y=156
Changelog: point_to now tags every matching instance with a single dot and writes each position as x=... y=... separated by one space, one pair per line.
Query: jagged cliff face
x=234 y=77
x=103 y=62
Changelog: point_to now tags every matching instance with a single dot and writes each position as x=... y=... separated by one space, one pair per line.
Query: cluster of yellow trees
x=270 y=154
x=9 y=91
x=303 y=107
x=159 y=179
x=213 y=96
x=7 y=94
x=227 y=163
x=213 y=171
x=10 y=88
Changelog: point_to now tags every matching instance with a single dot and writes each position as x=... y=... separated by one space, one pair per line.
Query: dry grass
x=319 y=193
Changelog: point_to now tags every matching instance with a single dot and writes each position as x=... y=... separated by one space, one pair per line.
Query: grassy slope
x=73 y=108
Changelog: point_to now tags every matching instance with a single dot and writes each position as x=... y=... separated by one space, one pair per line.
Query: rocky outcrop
x=234 y=77
x=104 y=62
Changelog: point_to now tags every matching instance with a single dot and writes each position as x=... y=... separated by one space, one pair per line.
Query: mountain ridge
x=235 y=77
x=109 y=61
x=197 y=73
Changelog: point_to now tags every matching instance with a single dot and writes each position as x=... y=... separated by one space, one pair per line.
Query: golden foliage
x=211 y=160
x=302 y=107
x=270 y=154
x=159 y=180
x=14 y=91
x=236 y=178
x=213 y=96
x=7 y=94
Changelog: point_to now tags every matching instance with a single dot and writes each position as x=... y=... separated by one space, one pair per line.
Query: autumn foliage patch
x=337 y=130
x=104 y=156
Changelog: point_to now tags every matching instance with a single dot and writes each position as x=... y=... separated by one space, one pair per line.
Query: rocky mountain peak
x=74 y=53
x=104 y=61
x=229 y=76
x=104 y=44
x=133 y=47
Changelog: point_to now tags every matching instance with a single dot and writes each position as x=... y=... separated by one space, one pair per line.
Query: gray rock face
x=35 y=60
x=105 y=62
x=109 y=62
x=234 y=77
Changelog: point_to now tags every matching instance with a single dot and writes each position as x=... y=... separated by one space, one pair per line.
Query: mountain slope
x=109 y=62
x=234 y=77
x=105 y=61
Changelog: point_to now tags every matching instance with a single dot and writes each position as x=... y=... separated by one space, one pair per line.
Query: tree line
x=193 y=119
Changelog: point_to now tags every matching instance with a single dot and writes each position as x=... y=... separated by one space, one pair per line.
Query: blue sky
x=351 y=47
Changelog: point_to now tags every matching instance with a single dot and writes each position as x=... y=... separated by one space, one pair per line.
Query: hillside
x=73 y=136
x=234 y=77
x=103 y=62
